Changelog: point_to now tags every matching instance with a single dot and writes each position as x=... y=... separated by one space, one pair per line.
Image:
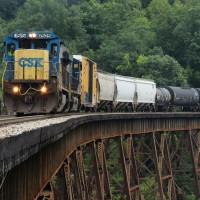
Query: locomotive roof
x=29 y=35
x=80 y=58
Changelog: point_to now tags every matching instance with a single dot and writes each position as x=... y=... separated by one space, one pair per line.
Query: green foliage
x=165 y=70
x=177 y=31
x=142 y=59
x=126 y=65
x=147 y=186
x=8 y=8
x=40 y=15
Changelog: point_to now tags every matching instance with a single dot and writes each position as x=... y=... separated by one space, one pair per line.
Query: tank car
x=163 y=100
x=184 y=98
x=198 y=90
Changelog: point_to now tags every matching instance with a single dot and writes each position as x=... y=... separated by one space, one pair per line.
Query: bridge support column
x=194 y=146
x=124 y=168
x=79 y=173
x=132 y=170
x=59 y=184
x=101 y=173
x=68 y=180
x=163 y=168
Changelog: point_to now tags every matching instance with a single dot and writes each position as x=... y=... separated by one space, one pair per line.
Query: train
x=42 y=76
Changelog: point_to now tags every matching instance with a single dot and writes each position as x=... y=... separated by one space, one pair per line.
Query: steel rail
x=10 y=120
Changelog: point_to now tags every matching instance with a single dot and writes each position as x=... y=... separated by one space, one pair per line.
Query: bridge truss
x=156 y=165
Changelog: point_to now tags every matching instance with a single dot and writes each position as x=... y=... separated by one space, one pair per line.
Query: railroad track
x=12 y=119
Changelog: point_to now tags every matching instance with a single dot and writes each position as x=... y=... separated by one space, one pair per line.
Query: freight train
x=41 y=76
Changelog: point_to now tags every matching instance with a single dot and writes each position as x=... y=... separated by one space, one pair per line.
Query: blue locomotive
x=36 y=75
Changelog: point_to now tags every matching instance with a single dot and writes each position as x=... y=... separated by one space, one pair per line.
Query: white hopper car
x=121 y=93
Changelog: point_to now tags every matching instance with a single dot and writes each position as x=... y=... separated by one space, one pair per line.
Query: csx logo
x=30 y=62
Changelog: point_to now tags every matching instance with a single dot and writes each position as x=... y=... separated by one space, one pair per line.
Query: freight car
x=120 y=93
x=181 y=99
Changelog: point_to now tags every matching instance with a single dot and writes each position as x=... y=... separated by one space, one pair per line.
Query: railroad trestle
x=114 y=156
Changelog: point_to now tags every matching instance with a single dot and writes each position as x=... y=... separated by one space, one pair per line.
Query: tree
x=177 y=30
x=163 y=69
x=145 y=3
x=8 y=8
x=40 y=15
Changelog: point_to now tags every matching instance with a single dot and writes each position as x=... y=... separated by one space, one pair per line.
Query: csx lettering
x=30 y=62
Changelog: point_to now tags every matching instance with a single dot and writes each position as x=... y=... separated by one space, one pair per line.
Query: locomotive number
x=44 y=35
x=20 y=35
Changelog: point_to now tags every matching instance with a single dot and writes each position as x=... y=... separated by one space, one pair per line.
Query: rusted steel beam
x=108 y=194
x=91 y=180
x=68 y=179
x=97 y=154
x=47 y=193
x=194 y=147
x=124 y=168
x=168 y=176
x=158 y=170
x=59 y=185
x=163 y=167
x=101 y=173
x=132 y=166
x=80 y=179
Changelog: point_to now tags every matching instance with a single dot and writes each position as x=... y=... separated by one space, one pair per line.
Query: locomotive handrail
x=8 y=70
x=54 y=64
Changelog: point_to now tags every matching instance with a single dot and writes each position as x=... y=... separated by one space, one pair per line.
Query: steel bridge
x=104 y=156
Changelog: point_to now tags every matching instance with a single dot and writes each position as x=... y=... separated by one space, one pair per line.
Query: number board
x=20 y=35
x=44 y=35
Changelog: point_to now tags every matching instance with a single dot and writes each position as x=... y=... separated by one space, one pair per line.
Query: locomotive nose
x=31 y=64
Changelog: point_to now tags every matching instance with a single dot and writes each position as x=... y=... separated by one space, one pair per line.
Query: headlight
x=15 y=89
x=32 y=35
x=43 y=89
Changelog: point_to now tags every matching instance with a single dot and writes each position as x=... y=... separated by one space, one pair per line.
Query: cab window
x=54 y=50
x=40 y=44
x=25 y=44
x=11 y=49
